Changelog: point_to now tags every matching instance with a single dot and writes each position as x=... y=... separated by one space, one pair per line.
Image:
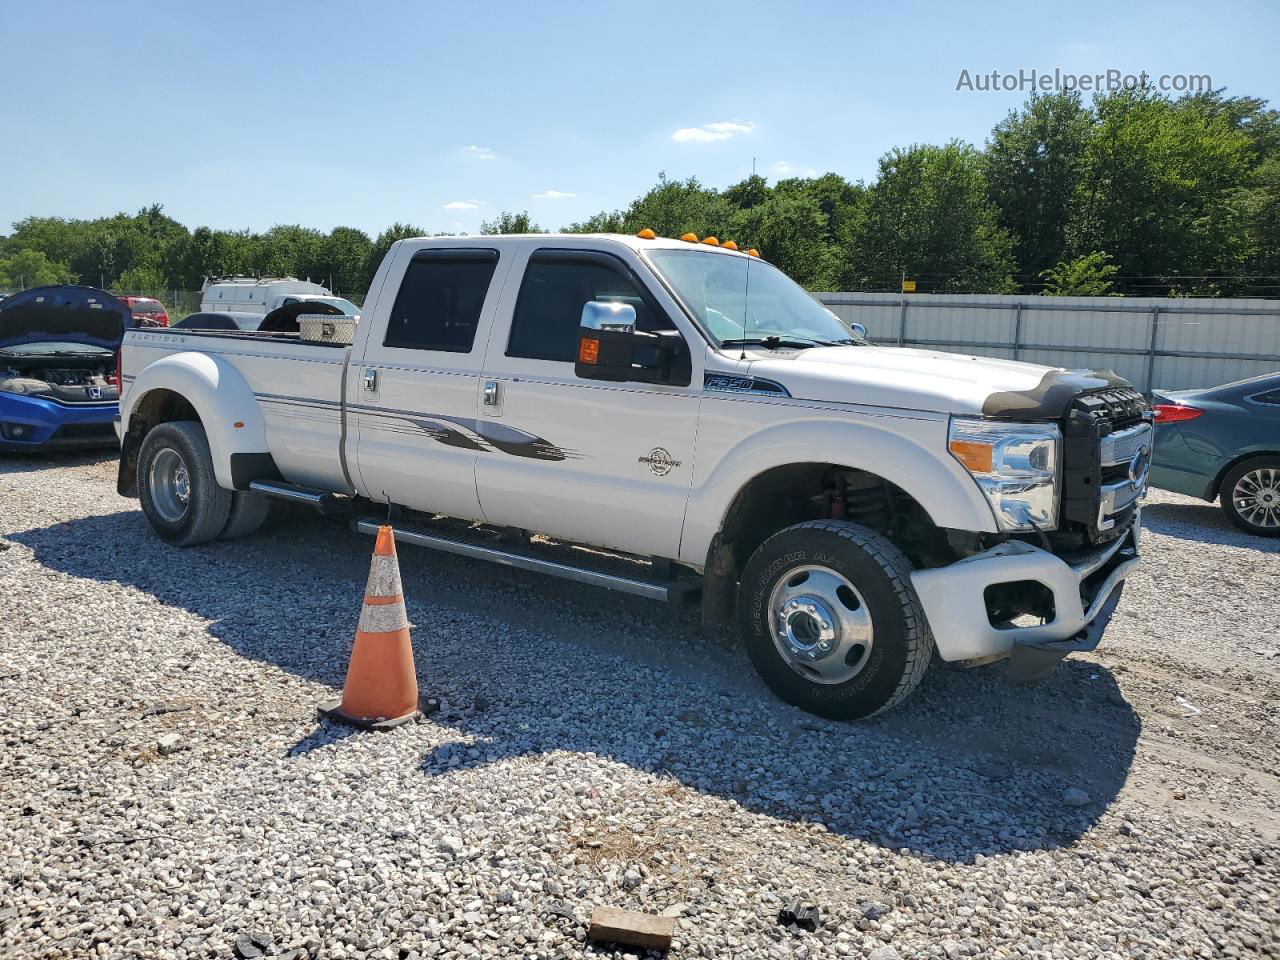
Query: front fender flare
x=222 y=399
x=907 y=451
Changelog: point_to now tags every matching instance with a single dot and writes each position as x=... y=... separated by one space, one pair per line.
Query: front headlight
x=1016 y=465
x=24 y=386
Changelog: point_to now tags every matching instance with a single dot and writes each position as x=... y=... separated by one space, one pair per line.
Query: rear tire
x=248 y=512
x=177 y=487
x=831 y=621
x=1250 y=496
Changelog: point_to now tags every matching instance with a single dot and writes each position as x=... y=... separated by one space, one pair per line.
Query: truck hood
x=66 y=314
x=931 y=380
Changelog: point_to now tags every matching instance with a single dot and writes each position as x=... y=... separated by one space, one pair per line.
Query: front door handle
x=492 y=393
x=370 y=380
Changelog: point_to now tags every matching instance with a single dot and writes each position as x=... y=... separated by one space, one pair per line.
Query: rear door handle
x=492 y=393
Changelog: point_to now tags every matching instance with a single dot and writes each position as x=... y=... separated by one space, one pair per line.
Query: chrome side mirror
x=859 y=330
x=608 y=315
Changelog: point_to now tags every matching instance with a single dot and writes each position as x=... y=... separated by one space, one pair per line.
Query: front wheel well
x=156 y=407
x=794 y=493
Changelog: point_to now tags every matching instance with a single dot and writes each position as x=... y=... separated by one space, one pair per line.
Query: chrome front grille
x=1123 y=445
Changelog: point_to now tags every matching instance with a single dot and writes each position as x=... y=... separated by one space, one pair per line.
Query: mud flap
x=1035 y=661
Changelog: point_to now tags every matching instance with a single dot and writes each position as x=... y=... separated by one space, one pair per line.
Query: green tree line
x=1132 y=193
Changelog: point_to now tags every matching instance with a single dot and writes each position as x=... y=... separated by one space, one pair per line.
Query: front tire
x=831 y=621
x=1250 y=496
x=177 y=487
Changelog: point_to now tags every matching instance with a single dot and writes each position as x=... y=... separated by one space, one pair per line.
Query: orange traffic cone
x=381 y=691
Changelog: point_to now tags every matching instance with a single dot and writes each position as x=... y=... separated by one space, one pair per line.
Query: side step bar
x=652 y=589
x=325 y=501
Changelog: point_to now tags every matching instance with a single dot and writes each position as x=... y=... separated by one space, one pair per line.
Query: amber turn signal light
x=977 y=457
x=588 y=350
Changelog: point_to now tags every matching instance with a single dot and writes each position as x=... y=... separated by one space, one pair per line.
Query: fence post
x=902 y=324
x=1151 y=350
x=1017 y=332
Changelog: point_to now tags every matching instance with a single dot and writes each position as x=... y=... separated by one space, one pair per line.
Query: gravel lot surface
x=167 y=791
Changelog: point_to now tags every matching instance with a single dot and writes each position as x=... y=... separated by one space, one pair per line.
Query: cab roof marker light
x=729 y=245
x=690 y=238
x=753 y=252
x=711 y=241
x=646 y=234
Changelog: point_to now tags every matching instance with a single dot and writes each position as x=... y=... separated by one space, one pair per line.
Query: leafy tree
x=791 y=232
x=507 y=222
x=31 y=268
x=928 y=217
x=1156 y=188
x=144 y=280
x=344 y=255
x=603 y=222
x=1087 y=276
x=1034 y=161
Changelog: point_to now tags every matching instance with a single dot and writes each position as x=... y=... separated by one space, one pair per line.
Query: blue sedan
x=1223 y=443
x=58 y=377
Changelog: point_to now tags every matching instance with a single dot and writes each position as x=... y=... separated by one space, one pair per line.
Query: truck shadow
x=526 y=666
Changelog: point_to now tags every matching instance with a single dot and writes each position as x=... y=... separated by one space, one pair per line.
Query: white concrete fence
x=1154 y=342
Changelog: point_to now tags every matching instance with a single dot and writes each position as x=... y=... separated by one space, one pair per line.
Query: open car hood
x=66 y=314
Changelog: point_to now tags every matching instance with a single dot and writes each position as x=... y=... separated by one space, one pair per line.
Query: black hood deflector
x=1049 y=399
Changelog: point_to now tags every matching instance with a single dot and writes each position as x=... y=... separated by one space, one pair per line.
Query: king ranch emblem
x=660 y=462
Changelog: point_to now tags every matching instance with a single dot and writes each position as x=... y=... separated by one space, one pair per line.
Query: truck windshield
x=744 y=300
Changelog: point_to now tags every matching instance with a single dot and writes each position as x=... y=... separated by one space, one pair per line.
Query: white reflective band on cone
x=383 y=617
x=384 y=577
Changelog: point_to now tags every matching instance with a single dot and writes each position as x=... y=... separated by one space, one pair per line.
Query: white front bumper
x=954 y=597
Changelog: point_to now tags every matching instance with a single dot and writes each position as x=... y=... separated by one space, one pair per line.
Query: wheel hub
x=1257 y=497
x=170 y=483
x=821 y=625
x=808 y=627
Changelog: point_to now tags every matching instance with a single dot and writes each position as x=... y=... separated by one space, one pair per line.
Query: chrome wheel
x=170 y=484
x=1256 y=497
x=820 y=625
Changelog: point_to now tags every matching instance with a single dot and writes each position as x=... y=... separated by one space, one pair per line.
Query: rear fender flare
x=223 y=400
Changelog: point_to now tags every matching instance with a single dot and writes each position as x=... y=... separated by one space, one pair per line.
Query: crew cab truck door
x=602 y=463
x=412 y=394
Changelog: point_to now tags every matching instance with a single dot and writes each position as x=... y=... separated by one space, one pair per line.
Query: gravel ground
x=166 y=789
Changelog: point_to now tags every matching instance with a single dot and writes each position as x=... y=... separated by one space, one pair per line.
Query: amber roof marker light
x=647 y=234
x=753 y=252
x=711 y=241
x=689 y=238
x=729 y=245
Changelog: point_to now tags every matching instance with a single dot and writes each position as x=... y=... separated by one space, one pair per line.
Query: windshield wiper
x=773 y=342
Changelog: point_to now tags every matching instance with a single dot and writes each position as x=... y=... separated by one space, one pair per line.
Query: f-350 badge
x=660 y=462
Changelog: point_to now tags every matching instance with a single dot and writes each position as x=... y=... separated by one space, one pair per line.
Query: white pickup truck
x=700 y=425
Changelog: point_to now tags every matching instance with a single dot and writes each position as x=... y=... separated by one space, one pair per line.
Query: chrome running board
x=667 y=590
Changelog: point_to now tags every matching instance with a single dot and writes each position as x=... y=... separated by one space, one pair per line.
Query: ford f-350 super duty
x=694 y=419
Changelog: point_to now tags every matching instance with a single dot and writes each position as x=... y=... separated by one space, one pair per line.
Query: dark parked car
x=1224 y=443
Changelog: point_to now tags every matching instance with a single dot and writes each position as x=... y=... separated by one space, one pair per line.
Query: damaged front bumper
x=1085 y=587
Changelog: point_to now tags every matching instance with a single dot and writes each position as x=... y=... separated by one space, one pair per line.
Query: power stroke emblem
x=660 y=462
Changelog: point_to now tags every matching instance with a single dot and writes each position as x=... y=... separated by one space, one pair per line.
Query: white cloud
x=462 y=204
x=552 y=195
x=710 y=132
x=479 y=153
x=784 y=168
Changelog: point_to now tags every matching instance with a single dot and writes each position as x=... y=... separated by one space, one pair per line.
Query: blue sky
x=443 y=114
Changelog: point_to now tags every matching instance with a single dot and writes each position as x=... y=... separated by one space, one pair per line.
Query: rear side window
x=555 y=287
x=440 y=299
x=1271 y=397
